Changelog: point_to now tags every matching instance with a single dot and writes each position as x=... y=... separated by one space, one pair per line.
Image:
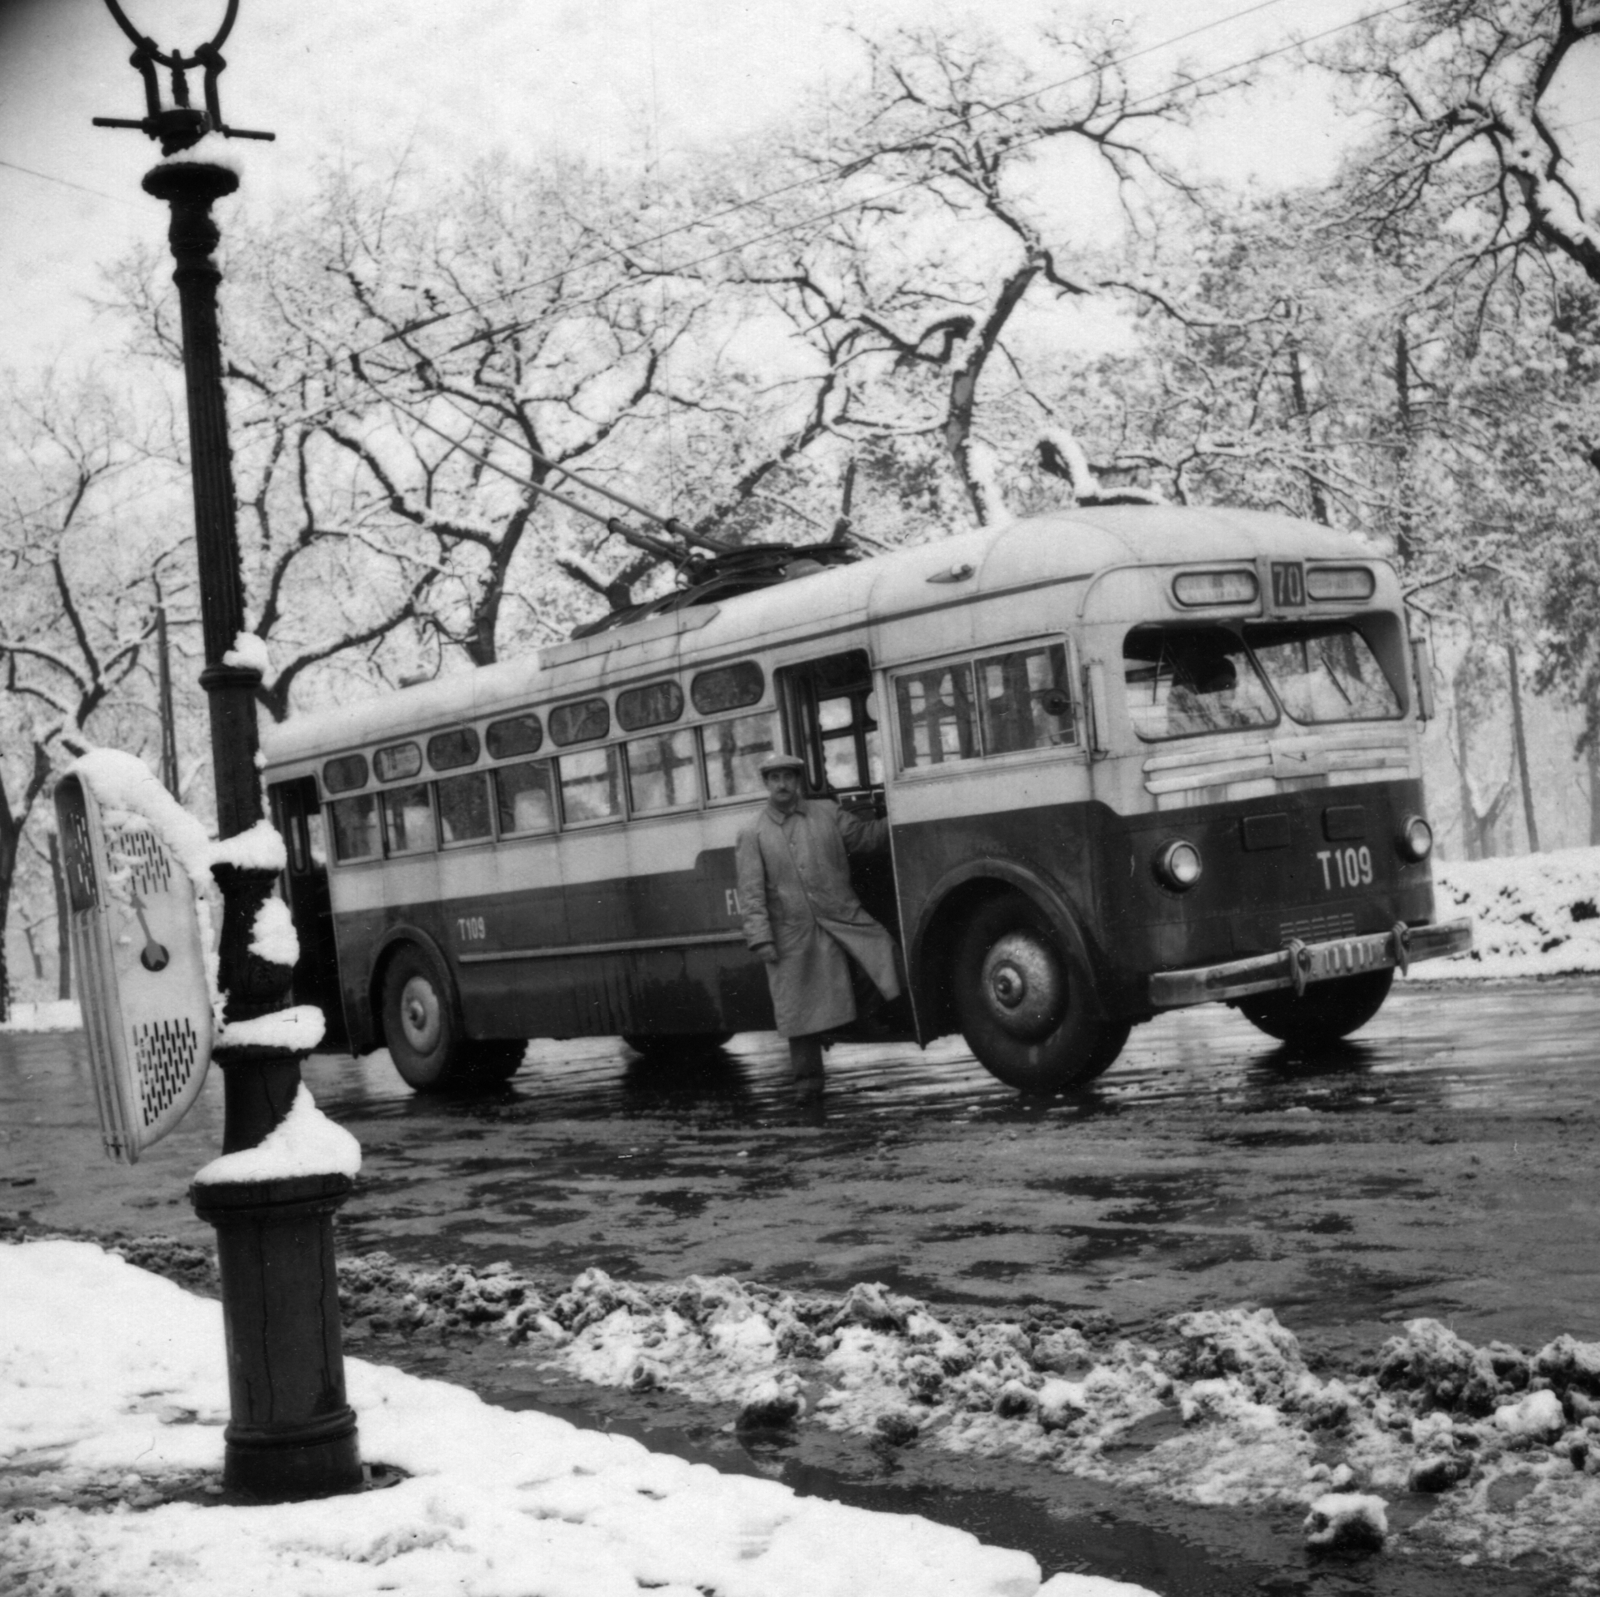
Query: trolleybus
x=1133 y=758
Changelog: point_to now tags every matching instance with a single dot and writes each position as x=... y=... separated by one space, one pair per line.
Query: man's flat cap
x=781 y=762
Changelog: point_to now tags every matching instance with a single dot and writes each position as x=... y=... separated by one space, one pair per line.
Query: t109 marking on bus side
x=471 y=929
x=1352 y=866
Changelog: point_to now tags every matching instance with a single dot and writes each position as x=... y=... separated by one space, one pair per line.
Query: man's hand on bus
x=767 y=953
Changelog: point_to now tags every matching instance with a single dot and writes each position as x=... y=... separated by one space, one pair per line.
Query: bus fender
x=928 y=950
x=392 y=939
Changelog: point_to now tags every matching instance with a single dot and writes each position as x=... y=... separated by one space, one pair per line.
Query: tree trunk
x=5 y=968
x=1469 y=811
x=1594 y=792
x=1319 y=498
x=1519 y=740
x=63 y=922
x=1404 y=531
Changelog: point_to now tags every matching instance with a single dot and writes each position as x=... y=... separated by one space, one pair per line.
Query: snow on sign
x=136 y=940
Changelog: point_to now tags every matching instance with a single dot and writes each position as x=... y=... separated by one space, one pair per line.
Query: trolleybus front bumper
x=1298 y=964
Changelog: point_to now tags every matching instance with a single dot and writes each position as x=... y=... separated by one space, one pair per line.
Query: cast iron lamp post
x=292 y=1433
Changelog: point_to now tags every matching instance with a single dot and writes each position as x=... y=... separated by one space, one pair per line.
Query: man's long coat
x=794 y=889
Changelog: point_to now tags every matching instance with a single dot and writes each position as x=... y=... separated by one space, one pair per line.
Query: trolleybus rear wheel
x=1026 y=1000
x=422 y=1027
x=1325 y=1012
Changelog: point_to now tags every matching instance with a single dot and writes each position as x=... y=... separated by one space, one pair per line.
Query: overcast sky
x=356 y=78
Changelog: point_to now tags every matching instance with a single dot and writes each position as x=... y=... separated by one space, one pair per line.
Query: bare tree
x=1464 y=92
x=82 y=586
x=923 y=272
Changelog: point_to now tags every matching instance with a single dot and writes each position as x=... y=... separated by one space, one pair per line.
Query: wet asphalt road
x=1443 y=1163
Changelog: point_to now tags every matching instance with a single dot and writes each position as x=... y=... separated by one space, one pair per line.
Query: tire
x=1026 y=1000
x=1324 y=1013
x=676 y=1048
x=422 y=1026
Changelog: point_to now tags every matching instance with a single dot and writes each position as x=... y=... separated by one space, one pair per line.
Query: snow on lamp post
x=285 y=1169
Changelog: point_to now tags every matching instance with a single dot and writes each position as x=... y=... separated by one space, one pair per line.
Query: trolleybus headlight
x=1416 y=838
x=1178 y=866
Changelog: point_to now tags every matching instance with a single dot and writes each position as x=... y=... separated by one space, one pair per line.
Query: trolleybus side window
x=397 y=762
x=655 y=704
x=518 y=734
x=408 y=819
x=1323 y=671
x=832 y=712
x=316 y=840
x=935 y=712
x=734 y=749
x=355 y=827
x=1185 y=680
x=1026 y=699
x=590 y=785
x=663 y=770
x=449 y=751
x=727 y=687
x=580 y=721
x=525 y=797
x=345 y=774
x=464 y=808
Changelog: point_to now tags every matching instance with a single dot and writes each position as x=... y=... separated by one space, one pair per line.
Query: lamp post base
x=292 y=1434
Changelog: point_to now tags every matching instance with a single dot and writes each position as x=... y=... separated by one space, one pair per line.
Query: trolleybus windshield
x=1323 y=671
x=1186 y=680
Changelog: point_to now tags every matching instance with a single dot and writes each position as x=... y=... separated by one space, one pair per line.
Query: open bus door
x=830 y=713
x=297 y=813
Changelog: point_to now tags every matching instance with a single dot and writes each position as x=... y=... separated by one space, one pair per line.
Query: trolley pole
x=292 y=1432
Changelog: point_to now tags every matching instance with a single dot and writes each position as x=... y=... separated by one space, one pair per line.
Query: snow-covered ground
x=1532 y=914
x=111 y=1432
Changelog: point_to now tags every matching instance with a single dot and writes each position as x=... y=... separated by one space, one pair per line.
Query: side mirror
x=1422 y=674
x=1099 y=731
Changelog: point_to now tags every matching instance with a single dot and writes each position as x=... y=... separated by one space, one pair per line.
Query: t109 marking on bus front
x=1353 y=866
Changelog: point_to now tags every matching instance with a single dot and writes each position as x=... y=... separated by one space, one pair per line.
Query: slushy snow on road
x=111 y=1438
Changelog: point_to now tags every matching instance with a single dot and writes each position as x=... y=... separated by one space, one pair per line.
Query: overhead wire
x=813 y=218
x=66 y=183
x=846 y=168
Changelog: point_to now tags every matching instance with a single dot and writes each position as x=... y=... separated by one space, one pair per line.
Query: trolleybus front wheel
x=1026 y=1001
x=423 y=1030
x=1324 y=1013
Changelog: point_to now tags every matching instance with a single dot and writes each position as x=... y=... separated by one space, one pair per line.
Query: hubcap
x=419 y=1014
x=1022 y=985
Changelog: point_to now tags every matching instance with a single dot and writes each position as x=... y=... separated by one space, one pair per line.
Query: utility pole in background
x=169 y=730
x=292 y=1434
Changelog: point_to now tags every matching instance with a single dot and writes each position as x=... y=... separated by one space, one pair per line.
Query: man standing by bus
x=802 y=918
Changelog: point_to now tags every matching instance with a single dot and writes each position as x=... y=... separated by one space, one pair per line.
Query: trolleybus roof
x=1060 y=546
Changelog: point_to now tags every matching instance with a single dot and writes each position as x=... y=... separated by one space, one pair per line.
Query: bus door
x=830 y=715
x=297 y=813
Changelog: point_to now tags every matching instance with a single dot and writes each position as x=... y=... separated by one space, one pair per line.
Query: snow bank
x=114 y=1441
x=60 y=1014
x=1532 y=914
x=1222 y=1409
